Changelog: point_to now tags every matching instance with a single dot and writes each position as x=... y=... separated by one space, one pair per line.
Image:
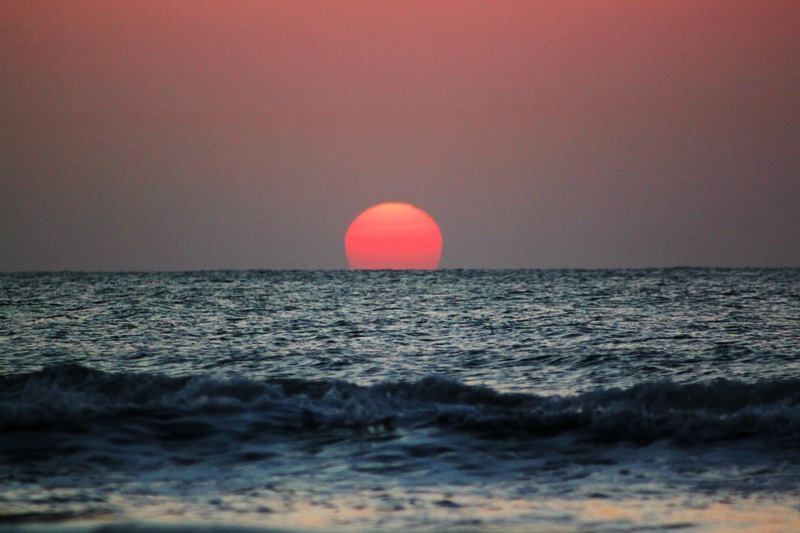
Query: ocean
x=448 y=400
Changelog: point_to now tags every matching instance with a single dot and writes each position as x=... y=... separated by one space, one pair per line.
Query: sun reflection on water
x=389 y=511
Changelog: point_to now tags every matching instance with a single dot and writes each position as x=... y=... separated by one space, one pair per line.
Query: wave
x=75 y=399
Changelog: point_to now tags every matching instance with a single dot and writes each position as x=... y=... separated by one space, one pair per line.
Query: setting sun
x=393 y=235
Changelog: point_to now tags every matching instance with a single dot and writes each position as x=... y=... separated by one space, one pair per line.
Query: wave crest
x=65 y=395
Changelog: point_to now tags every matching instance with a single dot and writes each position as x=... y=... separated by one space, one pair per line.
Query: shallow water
x=562 y=400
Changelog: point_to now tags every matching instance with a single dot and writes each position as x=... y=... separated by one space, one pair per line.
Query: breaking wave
x=76 y=399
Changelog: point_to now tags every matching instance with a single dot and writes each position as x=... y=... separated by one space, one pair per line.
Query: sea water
x=458 y=400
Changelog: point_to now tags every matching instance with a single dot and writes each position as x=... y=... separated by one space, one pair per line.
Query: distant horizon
x=445 y=269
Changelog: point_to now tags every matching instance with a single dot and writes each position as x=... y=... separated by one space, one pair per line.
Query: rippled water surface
x=563 y=400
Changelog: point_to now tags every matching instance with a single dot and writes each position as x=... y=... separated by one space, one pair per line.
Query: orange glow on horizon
x=393 y=235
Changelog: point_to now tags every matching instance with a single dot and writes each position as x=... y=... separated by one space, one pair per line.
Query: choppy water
x=461 y=400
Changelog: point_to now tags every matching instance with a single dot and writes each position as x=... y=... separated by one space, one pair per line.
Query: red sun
x=393 y=235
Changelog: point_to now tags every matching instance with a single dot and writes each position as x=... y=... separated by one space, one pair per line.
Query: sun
x=393 y=235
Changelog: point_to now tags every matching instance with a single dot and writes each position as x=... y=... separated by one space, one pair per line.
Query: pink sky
x=199 y=135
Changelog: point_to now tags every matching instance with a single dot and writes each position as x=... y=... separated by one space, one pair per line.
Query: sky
x=192 y=135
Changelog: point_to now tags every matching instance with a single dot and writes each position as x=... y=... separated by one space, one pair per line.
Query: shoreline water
x=568 y=516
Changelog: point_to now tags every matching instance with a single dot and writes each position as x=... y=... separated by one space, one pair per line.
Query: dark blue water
x=456 y=400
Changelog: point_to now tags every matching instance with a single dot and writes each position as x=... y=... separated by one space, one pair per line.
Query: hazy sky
x=182 y=135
